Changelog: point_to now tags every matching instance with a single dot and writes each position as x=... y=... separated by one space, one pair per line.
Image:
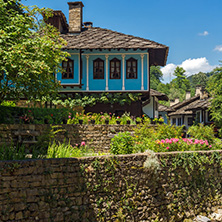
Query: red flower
x=51 y=114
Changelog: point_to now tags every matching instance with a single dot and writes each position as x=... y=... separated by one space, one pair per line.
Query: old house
x=151 y=106
x=192 y=109
x=103 y=60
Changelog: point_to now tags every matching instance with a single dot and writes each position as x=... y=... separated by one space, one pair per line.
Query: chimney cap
x=88 y=24
x=75 y=3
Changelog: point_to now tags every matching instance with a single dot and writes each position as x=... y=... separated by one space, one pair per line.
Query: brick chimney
x=75 y=17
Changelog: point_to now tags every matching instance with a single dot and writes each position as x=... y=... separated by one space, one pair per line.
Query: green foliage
x=100 y=118
x=215 y=89
x=30 y=53
x=122 y=143
x=17 y=152
x=8 y=103
x=34 y=115
x=155 y=76
x=11 y=152
x=180 y=81
x=160 y=131
x=199 y=79
x=65 y=150
x=202 y=132
x=84 y=99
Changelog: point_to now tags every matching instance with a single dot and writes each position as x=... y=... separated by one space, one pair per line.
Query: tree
x=156 y=76
x=30 y=53
x=199 y=79
x=181 y=80
x=15 y=5
x=215 y=89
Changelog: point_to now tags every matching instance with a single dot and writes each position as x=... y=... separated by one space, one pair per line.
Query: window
x=208 y=117
x=131 y=68
x=174 y=120
x=198 y=117
x=179 y=121
x=98 y=69
x=190 y=121
x=115 y=69
x=68 y=67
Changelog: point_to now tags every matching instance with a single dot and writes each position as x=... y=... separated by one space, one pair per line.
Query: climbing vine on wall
x=84 y=99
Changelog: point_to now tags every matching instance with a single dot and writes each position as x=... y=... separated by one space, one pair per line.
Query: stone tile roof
x=159 y=95
x=184 y=110
x=99 y=38
x=163 y=108
x=185 y=102
x=202 y=104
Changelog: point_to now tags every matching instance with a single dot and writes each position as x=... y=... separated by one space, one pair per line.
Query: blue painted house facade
x=112 y=75
x=103 y=60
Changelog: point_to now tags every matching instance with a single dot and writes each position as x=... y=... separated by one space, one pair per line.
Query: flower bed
x=165 y=138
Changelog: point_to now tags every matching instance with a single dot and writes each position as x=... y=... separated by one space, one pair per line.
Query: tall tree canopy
x=215 y=89
x=156 y=76
x=181 y=80
x=30 y=53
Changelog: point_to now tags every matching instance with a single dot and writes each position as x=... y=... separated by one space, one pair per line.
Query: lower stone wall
x=111 y=188
x=97 y=137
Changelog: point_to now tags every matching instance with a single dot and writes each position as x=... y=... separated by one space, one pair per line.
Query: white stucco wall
x=149 y=108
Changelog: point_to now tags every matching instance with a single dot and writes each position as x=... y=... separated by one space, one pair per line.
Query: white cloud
x=205 y=33
x=191 y=66
x=218 y=48
x=168 y=72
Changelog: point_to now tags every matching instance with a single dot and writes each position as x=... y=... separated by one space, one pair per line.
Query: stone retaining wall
x=111 y=188
x=97 y=137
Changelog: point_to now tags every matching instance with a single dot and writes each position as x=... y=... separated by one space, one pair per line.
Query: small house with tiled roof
x=103 y=60
x=192 y=109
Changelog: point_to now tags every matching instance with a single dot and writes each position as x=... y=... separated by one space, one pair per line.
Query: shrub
x=65 y=150
x=183 y=144
x=123 y=143
x=202 y=132
x=11 y=152
x=160 y=131
x=8 y=115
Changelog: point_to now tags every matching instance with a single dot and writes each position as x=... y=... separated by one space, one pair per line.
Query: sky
x=191 y=28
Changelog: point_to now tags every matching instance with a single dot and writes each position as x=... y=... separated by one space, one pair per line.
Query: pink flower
x=69 y=117
x=29 y=111
x=76 y=144
x=210 y=146
x=83 y=143
x=167 y=148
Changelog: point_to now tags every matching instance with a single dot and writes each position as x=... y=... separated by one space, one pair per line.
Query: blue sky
x=191 y=28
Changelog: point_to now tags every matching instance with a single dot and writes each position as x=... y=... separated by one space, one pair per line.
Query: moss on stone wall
x=111 y=188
